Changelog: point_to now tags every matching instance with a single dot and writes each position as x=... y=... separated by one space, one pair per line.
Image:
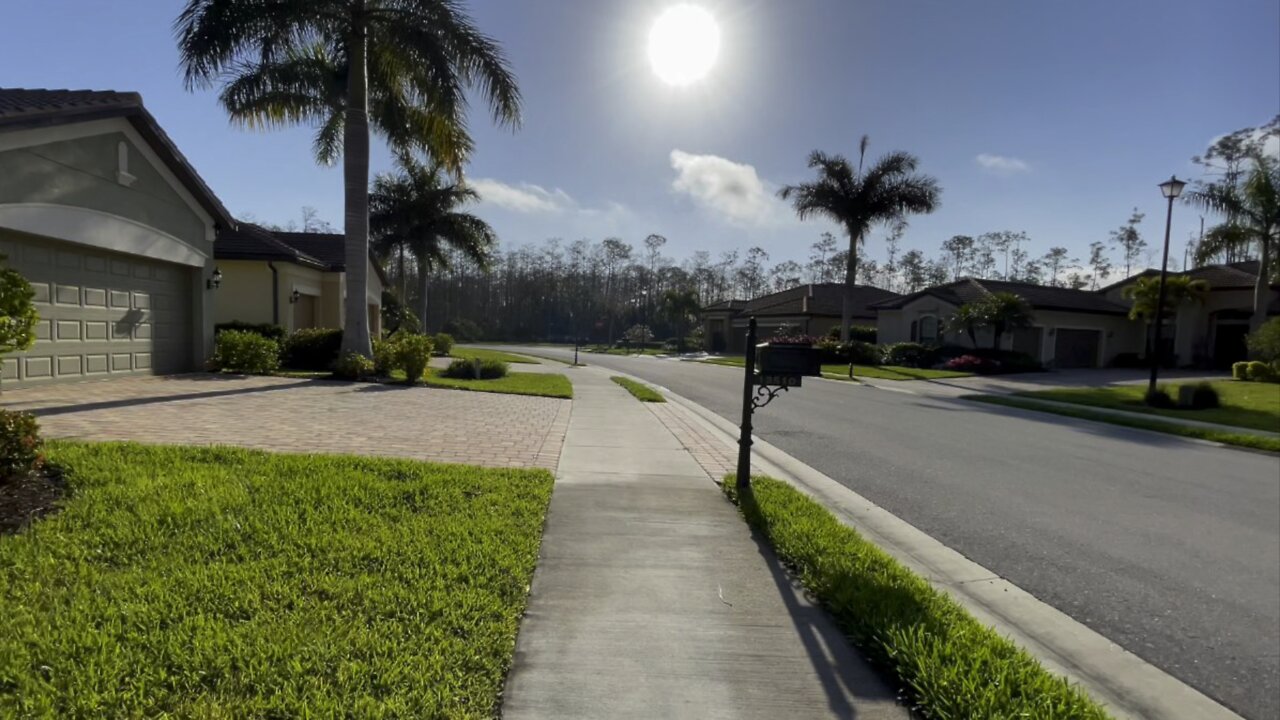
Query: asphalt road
x=1170 y=548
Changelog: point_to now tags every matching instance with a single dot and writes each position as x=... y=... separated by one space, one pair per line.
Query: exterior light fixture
x=215 y=281
x=294 y=297
x=1171 y=189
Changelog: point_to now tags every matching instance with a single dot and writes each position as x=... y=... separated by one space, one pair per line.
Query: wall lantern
x=294 y=297
x=215 y=281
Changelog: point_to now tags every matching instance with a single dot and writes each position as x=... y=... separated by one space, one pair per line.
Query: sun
x=683 y=44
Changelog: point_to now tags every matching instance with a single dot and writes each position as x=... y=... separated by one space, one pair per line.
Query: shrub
x=312 y=348
x=476 y=369
x=242 y=351
x=1159 y=398
x=443 y=343
x=266 y=330
x=463 y=330
x=908 y=354
x=862 y=353
x=1264 y=344
x=1204 y=397
x=352 y=366
x=18 y=316
x=19 y=444
x=1240 y=370
x=1259 y=371
x=384 y=356
x=861 y=333
x=412 y=354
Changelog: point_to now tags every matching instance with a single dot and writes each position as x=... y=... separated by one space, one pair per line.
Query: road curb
x=1129 y=686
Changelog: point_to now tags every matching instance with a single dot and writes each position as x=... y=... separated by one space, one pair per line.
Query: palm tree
x=1252 y=209
x=1145 y=294
x=1003 y=312
x=402 y=66
x=415 y=210
x=679 y=306
x=967 y=319
x=887 y=192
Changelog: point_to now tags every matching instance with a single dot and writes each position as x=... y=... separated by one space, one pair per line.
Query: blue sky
x=1084 y=107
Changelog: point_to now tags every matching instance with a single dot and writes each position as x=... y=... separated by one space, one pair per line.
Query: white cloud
x=522 y=198
x=1002 y=164
x=729 y=189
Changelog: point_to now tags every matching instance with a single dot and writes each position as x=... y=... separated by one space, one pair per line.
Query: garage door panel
x=100 y=313
x=1076 y=348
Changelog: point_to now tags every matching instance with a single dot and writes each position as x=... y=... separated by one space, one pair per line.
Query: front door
x=1228 y=344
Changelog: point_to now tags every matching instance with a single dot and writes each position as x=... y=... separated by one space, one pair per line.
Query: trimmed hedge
x=312 y=349
x=476 y=369
x=266 y=330
x=243 y=351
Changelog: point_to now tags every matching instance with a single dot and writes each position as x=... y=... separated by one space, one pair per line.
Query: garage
x=101 y=313
x=113 y=229
x=1074 y=348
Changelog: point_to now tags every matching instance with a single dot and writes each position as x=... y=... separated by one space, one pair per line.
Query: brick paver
x=288 y=415
x=716 y=458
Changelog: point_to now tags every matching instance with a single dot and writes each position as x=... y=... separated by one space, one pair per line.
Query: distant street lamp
x=1171 y=189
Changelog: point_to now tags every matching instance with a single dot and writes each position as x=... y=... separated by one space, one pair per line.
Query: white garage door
x=101 y=313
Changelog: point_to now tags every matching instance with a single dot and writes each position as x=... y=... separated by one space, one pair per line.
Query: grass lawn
x=642 y=392
x=882 y=372
x=516 y=383
x=471 y=353
x=951 y=665
x=220 y=583
x=1240 y=439
x=1244 y=404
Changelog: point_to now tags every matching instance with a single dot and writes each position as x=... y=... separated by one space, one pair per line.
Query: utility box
x=785 y=364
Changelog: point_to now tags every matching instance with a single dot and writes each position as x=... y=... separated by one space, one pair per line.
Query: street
x=1168 y=547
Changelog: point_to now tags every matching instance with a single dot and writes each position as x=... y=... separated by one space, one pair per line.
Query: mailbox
x=780 y=364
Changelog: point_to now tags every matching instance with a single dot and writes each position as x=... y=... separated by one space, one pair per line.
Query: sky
x=1056 y=119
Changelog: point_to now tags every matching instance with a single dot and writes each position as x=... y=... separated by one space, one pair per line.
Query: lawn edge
x=882 y=648
x=426 y=382
x=639 y=390
x=1239 y=441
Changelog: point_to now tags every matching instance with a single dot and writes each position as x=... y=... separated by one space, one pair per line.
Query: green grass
x=472 y=353
x=516 y=383
x=882 y=372
x=1245 y=440
x=950 y=665
x=642 y=392
x=1244 y=404
x=219 y=583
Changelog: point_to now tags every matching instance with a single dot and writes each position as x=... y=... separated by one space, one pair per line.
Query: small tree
x=638 y=335
x=1178 y=289
x=1006 y=312
x=17 y=311
x=967 y=319
x=680 y=307
x=1264 y=344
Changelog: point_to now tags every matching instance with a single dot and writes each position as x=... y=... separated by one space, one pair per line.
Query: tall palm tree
x=401 y=66
x=887 y=192
x=1145 y=295
x=416 y=209
x=1004 y=312
x=1252 y=210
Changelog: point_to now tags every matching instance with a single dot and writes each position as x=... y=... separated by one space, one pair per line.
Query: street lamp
x=1171 y=189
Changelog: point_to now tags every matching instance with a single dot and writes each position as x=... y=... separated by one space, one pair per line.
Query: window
x=929 y=329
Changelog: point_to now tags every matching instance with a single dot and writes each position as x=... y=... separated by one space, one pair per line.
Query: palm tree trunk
x=1261 y=286
x=355 y=178
x=850 y=278
x=404 y=280
x=422 y=294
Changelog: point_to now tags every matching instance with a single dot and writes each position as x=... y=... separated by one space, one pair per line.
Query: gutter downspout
x=275 y=293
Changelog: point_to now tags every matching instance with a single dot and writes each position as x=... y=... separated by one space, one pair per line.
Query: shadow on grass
x=840 y=667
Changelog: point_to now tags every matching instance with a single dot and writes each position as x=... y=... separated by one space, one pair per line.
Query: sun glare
x=683 y=44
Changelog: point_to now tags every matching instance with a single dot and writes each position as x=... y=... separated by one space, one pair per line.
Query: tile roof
x=23 y=108
x=322 y=251
x=818 y=299
x=1220 y=277
x=329 y=248
x=732 y=305
x=1041 y=297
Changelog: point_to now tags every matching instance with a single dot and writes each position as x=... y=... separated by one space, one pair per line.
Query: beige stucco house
x=114 y=230
x=294 y=280
x=1210 y=333
x=1073 y=328
x=808 y=309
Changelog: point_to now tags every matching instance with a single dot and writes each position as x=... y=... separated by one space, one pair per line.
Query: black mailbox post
x=771 y=368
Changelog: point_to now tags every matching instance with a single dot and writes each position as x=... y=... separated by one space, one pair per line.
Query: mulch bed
x=27 y=498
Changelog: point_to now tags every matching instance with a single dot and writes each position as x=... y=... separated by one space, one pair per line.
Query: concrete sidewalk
x=653 y=600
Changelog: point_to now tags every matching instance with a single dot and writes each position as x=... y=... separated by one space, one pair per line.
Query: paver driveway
x=290 y=415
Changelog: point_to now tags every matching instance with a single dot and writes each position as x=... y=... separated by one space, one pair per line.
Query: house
x=114 y=230
x=1073 y=328
x=1211 y=333
x=292 y=279
x=807 y=309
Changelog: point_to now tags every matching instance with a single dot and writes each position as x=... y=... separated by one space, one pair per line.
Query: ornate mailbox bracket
x=770 y=369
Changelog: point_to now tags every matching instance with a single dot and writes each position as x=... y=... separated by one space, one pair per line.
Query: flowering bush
x=973 y=364
x=795 y=339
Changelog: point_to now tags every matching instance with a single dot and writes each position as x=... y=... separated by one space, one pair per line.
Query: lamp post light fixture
x=1170 y=189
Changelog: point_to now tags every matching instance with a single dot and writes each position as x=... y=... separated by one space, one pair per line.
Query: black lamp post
x=1171 y=189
